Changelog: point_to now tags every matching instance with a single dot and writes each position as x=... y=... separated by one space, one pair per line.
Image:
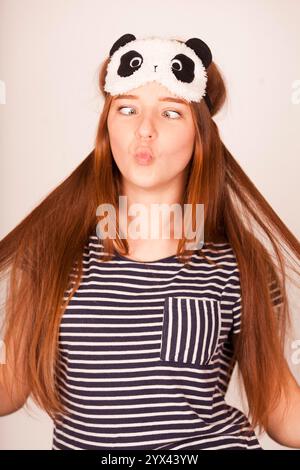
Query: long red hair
x=41 y=258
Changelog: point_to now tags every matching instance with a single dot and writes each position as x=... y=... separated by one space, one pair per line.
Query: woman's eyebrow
x=165 y=98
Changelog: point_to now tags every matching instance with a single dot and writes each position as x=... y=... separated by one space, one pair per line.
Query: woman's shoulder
x=218 y=247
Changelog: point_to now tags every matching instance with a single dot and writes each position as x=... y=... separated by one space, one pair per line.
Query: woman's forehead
x=151 y=91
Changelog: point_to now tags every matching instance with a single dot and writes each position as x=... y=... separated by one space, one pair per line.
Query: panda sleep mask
x=181 y=67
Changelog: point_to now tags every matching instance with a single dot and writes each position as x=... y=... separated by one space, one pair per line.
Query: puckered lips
x=144 y=156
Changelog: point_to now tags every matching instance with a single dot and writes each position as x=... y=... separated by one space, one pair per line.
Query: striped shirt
x=144 y=352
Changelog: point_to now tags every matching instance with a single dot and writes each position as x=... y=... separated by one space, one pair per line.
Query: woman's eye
x=176 y=112
x=130 y=108
x=124 y=107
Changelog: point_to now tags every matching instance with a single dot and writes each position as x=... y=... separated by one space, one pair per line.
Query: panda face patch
x=167 y=61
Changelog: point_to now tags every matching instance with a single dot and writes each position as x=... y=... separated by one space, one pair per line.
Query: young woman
x=130 y=343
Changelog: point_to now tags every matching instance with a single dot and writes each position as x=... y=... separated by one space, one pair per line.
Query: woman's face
x=166 y=128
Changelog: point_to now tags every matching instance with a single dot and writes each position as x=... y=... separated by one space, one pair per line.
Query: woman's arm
x=9 y=404
x=16 y=396
x=284 y=420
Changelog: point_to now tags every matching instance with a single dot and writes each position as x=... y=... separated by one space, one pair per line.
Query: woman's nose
x=146 y=127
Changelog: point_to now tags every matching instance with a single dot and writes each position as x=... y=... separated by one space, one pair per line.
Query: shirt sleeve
x=276 y=298
x=231 y=296
x=237 y=316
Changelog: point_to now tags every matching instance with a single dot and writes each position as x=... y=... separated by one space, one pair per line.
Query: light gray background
x=50 y=52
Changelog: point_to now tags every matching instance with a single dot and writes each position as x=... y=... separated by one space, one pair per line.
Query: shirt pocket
x=190 y=331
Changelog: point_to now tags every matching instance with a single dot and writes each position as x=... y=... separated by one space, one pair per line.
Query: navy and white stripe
x=144 y=355
x=187 y=323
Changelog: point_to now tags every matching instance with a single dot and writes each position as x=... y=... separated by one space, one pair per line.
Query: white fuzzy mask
x=181 y=67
